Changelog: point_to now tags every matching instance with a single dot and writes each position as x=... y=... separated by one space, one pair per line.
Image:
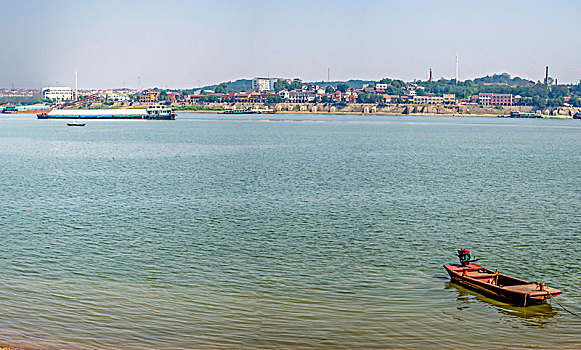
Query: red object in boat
x=499 y=286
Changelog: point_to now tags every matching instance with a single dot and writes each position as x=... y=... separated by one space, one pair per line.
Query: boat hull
x=516 y=292
x=107 y=117
x=247 y=111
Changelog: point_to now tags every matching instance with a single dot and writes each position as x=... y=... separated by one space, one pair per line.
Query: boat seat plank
x=480 y=275
x=531 y=288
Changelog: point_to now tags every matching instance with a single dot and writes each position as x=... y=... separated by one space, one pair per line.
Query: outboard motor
x=464 y=256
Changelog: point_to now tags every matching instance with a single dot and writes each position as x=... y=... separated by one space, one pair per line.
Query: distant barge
x=27 y=109
x=152 y=112
x=515 y=114
x=247 y=111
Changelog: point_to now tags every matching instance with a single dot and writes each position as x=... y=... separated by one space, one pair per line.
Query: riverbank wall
x=395 y=109
x=366 y=108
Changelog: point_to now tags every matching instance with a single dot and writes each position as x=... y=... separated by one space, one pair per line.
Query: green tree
x=329 y=89
x=539 y=102
x=221 y=89
x=273 y=99
x=296 y=84
x=555 y=102
x=280 y=85
x=162 y=95
x=342 y=87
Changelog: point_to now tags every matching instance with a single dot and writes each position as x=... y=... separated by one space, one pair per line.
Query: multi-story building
x=301 y=96
x=490 y=99
x=429 y=100
x=58 y=94
x=263 y=84
x=380 y=86
x=149 y=96
x=434 y=100
x=449 y=98
x=115 y=96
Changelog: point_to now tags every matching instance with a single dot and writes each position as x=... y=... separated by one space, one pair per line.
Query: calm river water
x=292 y=231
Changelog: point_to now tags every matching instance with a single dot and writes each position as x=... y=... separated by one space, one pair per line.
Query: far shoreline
x=382 y=114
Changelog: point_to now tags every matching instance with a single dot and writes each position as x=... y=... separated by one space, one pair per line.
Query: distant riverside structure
x=434 y=100
x=490 y=99
x=58 y=94
x=149 y=96
x=263 y=84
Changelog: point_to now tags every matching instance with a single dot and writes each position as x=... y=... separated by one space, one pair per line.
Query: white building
x=114 y=96
x=263 y=84
x=301 y=96
x=380 y=86
x=58 y=94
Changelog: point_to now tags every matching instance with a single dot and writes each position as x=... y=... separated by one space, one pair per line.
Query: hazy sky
x=182 y=44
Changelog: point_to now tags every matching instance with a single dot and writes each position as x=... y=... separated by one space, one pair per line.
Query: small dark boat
x=75 y=124
x=496 y=285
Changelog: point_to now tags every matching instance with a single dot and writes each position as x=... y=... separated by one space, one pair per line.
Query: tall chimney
x=547 y=75
x=456 y=68
x=430 y=75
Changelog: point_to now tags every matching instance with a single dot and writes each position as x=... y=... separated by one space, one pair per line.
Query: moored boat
x=516 y=114
x=246 y=111
x=34 y=109
x=497 y=285
x=577 y=115
x=155 y=112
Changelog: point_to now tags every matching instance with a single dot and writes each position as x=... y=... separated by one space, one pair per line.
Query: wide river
x=285 y=231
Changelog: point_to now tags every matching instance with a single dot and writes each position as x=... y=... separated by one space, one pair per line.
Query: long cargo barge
x=36 y=109
x=515 y=114
x=152 y=112
x=247 y=111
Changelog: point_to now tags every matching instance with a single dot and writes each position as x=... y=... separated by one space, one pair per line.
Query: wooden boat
x=75 y=124
x=497 y=285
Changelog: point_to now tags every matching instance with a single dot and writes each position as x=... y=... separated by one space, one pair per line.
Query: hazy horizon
x=183 y=44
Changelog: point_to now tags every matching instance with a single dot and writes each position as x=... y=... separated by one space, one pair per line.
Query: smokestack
x=456 y=68
x=547 y=75
x=430 y=75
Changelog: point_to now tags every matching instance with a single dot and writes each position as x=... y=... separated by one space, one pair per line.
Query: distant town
x=494 y=94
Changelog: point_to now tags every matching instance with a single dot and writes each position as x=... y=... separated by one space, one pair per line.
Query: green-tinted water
x=296 y=232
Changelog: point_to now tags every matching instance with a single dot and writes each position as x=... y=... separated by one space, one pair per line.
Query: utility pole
x=328 y=75
x=76 y=86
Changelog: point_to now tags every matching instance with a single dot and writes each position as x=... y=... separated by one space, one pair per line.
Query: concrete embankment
x=367 y=108
x=392 y=109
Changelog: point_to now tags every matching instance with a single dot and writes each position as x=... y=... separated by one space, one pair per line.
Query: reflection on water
x=319 y=234
x=539 y=315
